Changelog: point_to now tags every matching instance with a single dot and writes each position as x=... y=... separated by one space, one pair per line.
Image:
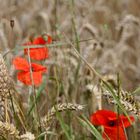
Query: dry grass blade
x=46 y=120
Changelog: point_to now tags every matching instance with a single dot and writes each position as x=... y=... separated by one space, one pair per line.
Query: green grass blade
x=86 y=123
x=41 y=88
x=64 y=126
x=110 y=89
x=136 y=91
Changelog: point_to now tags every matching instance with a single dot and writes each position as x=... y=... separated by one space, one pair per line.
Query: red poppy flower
x=24 y=75
x=113 y=124
x=114 y=133
x=39 y=53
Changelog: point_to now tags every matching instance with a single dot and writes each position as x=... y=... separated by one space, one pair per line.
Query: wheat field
x=93 y=64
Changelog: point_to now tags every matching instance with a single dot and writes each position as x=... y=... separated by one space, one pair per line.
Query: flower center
x=111 y=123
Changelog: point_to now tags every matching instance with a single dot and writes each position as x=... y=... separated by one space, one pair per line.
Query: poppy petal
x=21 y=64
x=114 y=133
x=125 y=122
x=97 y=119
x=121 y=121
x=38 y=68
x=39 y=41
x=101 y=117
x=25 y=78
x=38 y=53
x=42 y=40
x=37 y=76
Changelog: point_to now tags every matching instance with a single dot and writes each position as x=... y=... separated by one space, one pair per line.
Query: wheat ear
x=27 y=136
x=5 y=87
x=7 y=129
x=7 y=92
x=46 y=120
x=5 y=81
x=127 y=100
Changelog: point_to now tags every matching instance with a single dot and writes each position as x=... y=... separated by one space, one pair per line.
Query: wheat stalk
x=46 y=120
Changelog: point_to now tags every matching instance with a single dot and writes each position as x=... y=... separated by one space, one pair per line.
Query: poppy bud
x=12 y=23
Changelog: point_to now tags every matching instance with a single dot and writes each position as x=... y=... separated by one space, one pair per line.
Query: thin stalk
x=16 y=114
x=33 y=88
x=118 y=110
x=56 y=17
x=74 y=25
x=54 y=45
x=57 y=82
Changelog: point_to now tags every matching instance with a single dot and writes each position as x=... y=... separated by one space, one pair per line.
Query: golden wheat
x=8 y=130
x=27 y=136
x=126 y=99
x=5 y=81
x=46 y=120
x=5 y=85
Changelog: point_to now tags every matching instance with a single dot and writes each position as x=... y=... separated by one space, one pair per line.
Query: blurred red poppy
x=113 y=124
x=39 y=53
x=25 y=75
